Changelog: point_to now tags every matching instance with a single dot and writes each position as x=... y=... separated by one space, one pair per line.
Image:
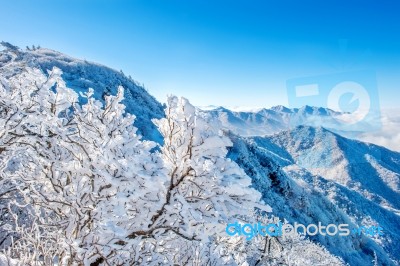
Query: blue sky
x=231 y=53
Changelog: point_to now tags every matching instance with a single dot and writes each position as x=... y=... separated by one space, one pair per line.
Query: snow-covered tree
x=80 y=171
x=204 y=189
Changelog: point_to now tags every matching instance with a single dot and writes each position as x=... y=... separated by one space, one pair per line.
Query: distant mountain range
x=305 y=172
x=263 y=121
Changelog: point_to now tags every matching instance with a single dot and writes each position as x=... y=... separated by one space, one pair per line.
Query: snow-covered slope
x=81 y=75
x=365 y=168
x=311 y=175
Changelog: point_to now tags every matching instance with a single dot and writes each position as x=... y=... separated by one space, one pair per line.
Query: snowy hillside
x=311 y=174
x=81 y=75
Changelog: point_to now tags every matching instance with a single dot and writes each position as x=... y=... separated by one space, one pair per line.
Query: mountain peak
x=281 y=109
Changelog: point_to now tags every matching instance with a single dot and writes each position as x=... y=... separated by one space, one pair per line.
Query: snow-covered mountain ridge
x=263 y=121
x=81 y=75
x=311 y=174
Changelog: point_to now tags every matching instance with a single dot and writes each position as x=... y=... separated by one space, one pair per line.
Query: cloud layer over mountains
x=389 y=135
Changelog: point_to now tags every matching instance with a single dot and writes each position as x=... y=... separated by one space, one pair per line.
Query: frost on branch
x=208 y=186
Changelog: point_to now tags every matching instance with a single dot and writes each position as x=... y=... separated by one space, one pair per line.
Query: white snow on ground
x=6 y=261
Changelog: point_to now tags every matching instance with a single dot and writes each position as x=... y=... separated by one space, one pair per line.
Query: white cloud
x=389 y=134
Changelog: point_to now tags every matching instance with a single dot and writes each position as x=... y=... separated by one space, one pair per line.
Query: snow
x=353 y=184
x=6 y=261
x=168 y=200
